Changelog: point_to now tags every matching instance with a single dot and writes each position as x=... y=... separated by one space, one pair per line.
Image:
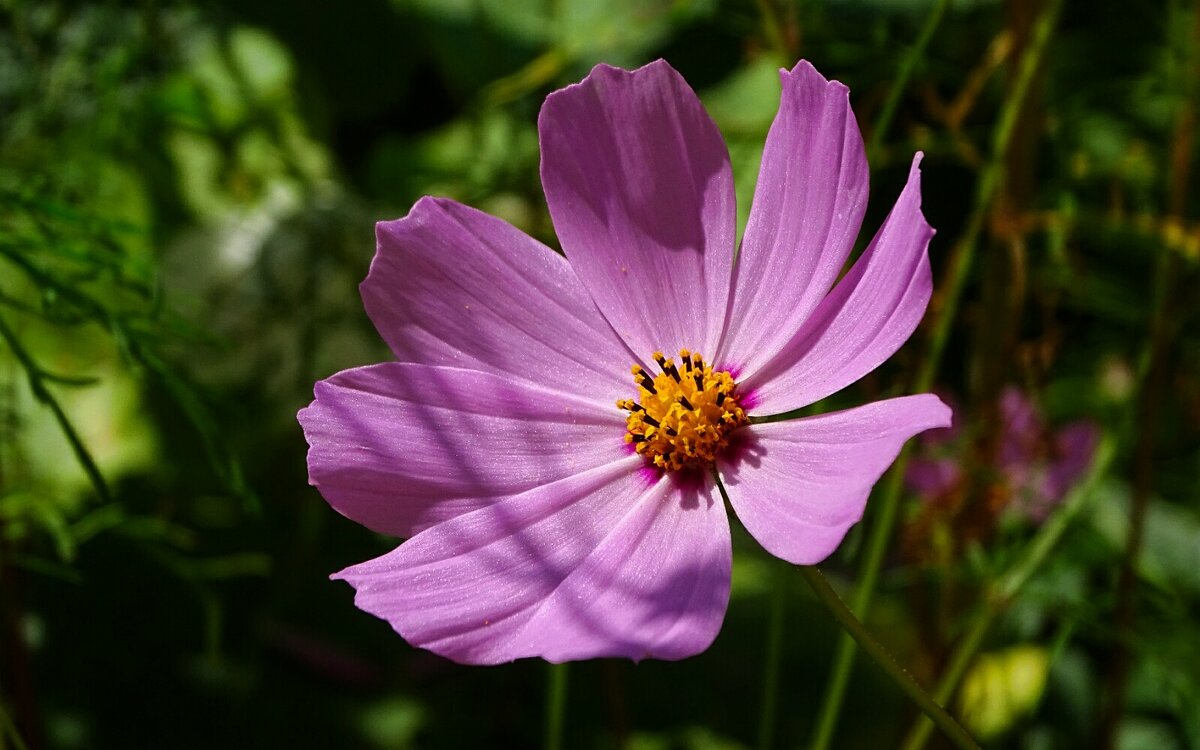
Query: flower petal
x=454 y=286
x=640 y=188
x=808 y=207
x=400 y=446
x=863 y=321
x=614 y=562
x=799 y=485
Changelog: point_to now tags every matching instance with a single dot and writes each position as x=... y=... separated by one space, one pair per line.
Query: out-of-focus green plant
x=83 y=326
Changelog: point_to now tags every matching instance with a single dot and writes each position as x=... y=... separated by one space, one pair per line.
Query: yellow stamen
x=683 y=417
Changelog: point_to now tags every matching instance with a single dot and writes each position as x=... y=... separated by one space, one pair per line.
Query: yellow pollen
x=683 y=417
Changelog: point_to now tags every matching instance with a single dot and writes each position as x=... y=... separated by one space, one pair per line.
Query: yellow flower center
x=683 y=416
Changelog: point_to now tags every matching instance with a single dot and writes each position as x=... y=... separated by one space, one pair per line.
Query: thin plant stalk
x=37 y=385
x=774 y=640
x=851 y=624
x=773 y=29
x=556 y=706
x=1001 y=594
x=1153 y=370
x=903 y=73
x=9 y=728
x=843 y=659
x=961 y=261
x=989 y=180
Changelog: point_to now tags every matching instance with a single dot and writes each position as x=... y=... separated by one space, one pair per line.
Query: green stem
x=903 y=73
x=959 y=269
x=8 y=727
x=1153 y=373
x=989 y=181
x=843 y=659
x=556 y=706
x=851 y=624
x=770 y=694
x=1001 y=594
x=773 y=29
x=37 y=385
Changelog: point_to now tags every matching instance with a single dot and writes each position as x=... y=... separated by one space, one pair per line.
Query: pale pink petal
x=400 y=446
x=808 y=207
x=799 y=485
x=863 y=321
x=614 y=562
x=453 y=286
x=639 y=185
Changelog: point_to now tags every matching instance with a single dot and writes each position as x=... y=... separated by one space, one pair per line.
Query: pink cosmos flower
x=554 y=505
x=1034 y=465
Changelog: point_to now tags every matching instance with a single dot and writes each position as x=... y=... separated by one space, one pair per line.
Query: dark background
x=187 y=199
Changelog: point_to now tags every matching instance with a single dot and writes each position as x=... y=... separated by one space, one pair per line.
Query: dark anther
x=672 y=432
x=667 y=365
x=647 y=381
x=638 y=438
x=699 y=382
x=687 y=360
x=720 y=398
x=651 y=420
x=686 y=404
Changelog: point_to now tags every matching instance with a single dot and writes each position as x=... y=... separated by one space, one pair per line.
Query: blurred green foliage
x=187 y=192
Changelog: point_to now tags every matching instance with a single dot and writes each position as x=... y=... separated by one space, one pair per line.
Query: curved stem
x=843 y=659
x=556 y=706
x=956 y=278
x=1001 y=594
x=951 y=728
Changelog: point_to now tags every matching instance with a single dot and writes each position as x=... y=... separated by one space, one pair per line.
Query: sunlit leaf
x=1001 y=687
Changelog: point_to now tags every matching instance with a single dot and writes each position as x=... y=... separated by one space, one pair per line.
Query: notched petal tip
x=804 y=72
x=941 y=415
x=388 y=228
x=387 y=233
x=914 y=184
x=306 y=417
x=605 y=72
x=604 y=68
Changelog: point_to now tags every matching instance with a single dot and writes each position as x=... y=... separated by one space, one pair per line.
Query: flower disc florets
x=683 y=416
